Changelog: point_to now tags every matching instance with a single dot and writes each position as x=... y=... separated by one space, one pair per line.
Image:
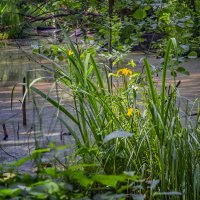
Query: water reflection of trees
x=14 y=64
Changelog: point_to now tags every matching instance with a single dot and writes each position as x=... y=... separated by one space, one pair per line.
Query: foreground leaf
x=192 y=55
x=9 y=192
x=108 y=180
x=117 y=134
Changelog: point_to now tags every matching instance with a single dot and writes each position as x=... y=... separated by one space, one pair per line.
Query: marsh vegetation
x=132 y=137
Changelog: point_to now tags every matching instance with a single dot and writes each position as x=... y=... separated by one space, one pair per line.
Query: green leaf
x=186 y=73
x=183 y=70
x=180 y=69
x=51 y=172
x=192 y=55
x=174 y=74
x=38 y=195
x=47 y=186
x=147 y=7
x=60 y=58
x=40 y=151
x=140 y=13
x=117 y=134
x=131 y=175
x=108 y=180
x=82 y=179
x=2 y=9
x=9 y=192
x=60 y=148
x=20 y=162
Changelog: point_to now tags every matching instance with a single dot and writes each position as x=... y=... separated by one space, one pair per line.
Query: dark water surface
x=16 y=59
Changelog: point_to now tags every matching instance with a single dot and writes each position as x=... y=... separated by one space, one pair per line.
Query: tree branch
x=44 y=18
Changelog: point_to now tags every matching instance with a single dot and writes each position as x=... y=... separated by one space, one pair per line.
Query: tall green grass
x=153 y=142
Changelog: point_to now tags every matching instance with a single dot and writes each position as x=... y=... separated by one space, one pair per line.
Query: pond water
x=15 y=59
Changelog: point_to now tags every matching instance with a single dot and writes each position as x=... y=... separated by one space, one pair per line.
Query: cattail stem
x=24 y=102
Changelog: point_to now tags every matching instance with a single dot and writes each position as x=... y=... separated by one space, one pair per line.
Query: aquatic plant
x=133 y=127
x=132 y=141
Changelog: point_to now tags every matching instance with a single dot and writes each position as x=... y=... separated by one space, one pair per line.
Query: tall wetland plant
x=131 y=127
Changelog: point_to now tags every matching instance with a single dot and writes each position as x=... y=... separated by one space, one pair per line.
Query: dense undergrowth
x=115 y=25
x=132 y=139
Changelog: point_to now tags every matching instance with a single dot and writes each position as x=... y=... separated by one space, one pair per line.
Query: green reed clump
x=133 y=127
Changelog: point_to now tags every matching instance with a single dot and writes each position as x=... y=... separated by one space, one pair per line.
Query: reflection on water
x=14 y=63
x=16 y=59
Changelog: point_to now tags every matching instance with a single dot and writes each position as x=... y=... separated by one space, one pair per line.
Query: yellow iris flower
x=70 y=52
x=124 y=71
x=129 y=112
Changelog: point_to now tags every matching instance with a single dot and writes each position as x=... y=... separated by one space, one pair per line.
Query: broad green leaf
x=51 y=171
x=108 y=180
x=147 y=7
x=9 y=192
x=117 y=134
x=81 y=178
x=180 y=69
x=131 y=175
x=186 y=73
x=20 y=162
x=140 y=13
x=47 y=186
x=183 y=70
x=192 y=55
x=38 y=195
x=174 y=74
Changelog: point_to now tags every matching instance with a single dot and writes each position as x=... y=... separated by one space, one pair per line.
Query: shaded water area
x=42 y=125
